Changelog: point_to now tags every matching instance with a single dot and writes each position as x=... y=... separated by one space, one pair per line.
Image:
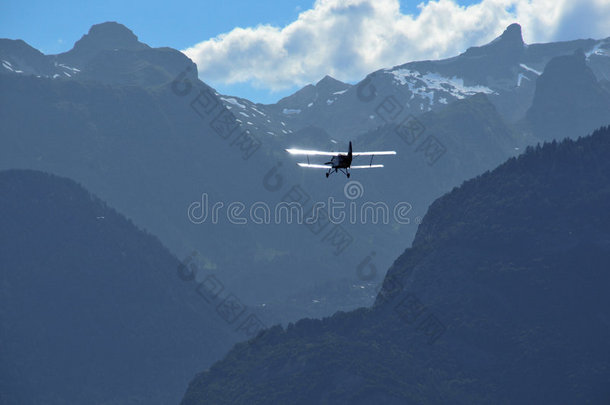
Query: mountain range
x=137 y=128
x=119 y=116
x=113 y=113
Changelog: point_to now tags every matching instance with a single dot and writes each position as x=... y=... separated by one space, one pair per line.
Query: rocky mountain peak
x=512 y=34
x=509 y=45
x=331 y=84
x=327 y=80
x=109 y=35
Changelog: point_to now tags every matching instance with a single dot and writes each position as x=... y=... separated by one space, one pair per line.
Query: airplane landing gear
x=348 y=175
x=327 y=174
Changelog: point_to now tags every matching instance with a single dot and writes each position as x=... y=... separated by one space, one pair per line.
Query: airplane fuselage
x=341 y=162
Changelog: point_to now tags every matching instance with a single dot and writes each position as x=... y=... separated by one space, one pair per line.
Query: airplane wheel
x=348 y=175
x=326 y=174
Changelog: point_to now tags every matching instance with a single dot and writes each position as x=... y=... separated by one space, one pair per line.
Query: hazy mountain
x=91 y=308
x=297 y=112
x=109 y=53
x=311 y=103
x=501 y=299
x=151 y=144
x=151 y=155
x=136 y=127
x=321 y=94
x=568 y=99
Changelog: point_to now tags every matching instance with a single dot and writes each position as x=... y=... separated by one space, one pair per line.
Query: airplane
x=340 y=161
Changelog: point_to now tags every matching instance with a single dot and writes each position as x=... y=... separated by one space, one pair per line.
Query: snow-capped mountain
x=506 y=70
x=109 y=52
x=295 y=112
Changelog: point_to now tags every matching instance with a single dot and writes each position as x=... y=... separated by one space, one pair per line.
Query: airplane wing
x=313 y=166
x=313 y=152
x=378 y=153
x=322 y=153
x=365 y=166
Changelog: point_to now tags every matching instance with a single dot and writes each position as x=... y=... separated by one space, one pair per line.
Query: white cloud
x=351 y=38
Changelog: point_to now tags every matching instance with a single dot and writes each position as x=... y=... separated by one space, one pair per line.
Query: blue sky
x=53 y=27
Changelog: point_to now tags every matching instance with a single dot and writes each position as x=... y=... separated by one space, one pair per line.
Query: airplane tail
x=349 y=151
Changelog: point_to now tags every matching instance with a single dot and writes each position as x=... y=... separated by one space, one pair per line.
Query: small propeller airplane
x=340 y=161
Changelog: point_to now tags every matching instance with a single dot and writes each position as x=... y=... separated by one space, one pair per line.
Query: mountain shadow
x=91 y=308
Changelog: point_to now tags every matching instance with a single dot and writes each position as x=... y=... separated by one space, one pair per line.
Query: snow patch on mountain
x=73 y=69
x=233 y=101
x=529 y=69
x=425 y=85
x=10 y=67
x=597 y=50
x=520 y=78
x=7 y=65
